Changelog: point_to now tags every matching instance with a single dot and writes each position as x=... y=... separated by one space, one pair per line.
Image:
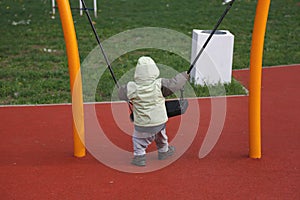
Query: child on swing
x=147 y=94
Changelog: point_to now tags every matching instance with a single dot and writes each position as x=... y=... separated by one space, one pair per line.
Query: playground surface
x=37 y=153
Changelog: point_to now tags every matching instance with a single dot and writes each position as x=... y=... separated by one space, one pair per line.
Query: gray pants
x=141 y=140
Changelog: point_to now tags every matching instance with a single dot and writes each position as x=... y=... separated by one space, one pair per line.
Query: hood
x=146 y=70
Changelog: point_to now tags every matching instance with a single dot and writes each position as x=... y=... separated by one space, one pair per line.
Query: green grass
x=29 y=74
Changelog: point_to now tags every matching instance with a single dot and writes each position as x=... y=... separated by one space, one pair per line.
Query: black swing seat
x=176 y=107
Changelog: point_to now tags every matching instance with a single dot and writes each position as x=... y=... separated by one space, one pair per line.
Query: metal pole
x=95 y=8
x=53 y=7
x=80 y=8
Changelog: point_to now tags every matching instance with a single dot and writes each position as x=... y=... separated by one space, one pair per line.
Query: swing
x=174 y=107
x=177 y=106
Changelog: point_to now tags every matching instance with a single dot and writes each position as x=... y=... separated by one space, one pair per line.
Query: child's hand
x=187 y=75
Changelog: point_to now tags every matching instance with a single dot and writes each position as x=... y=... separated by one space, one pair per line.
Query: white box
x=215 y=63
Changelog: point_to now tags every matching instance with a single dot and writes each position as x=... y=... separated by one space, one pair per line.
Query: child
x=147 y=96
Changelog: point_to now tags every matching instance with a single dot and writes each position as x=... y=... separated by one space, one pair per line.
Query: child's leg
x=164 y=150
x=161 y=140
x=141 y=142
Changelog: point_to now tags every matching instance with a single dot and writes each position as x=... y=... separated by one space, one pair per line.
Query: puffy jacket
x=147 y=93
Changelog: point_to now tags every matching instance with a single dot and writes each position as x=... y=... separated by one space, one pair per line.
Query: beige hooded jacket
x=147 y=93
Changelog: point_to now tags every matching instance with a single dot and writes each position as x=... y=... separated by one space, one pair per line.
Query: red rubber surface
x=37 y=153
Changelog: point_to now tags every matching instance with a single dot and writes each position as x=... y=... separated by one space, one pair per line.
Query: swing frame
x=174 y=107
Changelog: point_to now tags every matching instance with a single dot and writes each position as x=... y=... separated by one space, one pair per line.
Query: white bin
x=215 y=64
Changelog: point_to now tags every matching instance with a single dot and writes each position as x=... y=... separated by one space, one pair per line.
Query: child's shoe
x=139 y=160
x=165 y=155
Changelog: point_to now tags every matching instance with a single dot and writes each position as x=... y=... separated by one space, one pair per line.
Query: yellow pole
x=74 y=71
x=256 y=56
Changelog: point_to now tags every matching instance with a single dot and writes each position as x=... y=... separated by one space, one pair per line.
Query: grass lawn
x=32 y=50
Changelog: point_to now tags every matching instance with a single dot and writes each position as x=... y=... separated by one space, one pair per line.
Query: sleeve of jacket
x=122 y=93
x=169 y=86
